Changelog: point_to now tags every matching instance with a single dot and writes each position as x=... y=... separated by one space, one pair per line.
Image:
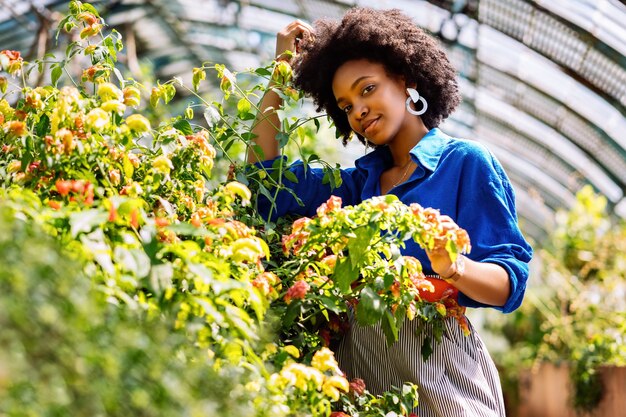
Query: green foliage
x=577 y=314
x=66 y=350
x=136 y=281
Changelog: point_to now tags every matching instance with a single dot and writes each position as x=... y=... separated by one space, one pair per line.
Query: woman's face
x=373 y=101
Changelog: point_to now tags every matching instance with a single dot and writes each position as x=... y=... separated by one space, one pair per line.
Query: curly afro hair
x=388 y=37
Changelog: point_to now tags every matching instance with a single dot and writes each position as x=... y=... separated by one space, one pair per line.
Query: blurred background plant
x=576 y=313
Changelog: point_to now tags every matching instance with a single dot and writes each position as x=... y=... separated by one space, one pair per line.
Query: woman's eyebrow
x=354 y=84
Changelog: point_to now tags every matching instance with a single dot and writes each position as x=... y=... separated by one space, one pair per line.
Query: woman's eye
x=347 y=109
x=368 y=88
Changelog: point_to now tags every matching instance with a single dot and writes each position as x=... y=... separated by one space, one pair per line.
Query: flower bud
x=91 y=30
x=87 y=17
x=132 y=96
x=282 y=72
x=114 y=177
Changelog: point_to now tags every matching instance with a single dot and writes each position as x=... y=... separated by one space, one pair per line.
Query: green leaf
x=358 y=246
x=427 y=348
x=42 y=126
x=243 y=107
x=161 y=277
x=370 y=308
x=87 y=220
x=89 y=8
x=263 y=72
x=282 y=139
x=291 y=176
x=293 y=310
x=345 y=275
x=390 y=328
x=128 y=168
x=332 y=304
x=186 y=229
x=248 y=136
x=132 y=260
x=184 y=126
x=55 y=74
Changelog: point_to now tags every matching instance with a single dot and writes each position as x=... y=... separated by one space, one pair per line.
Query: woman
x=380 y=77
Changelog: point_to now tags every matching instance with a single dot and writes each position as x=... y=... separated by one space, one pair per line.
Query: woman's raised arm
x=266 y=124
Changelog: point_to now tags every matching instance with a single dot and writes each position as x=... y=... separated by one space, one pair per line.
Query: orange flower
x=333 y=204
x=134 y=219
x=55 y=205
x=16 y=128
x=63 y=187
x=297 y=291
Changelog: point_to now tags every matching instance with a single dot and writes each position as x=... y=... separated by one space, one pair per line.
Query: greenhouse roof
x=543 y=82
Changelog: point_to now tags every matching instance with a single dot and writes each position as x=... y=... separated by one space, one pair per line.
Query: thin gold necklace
x=403 y=175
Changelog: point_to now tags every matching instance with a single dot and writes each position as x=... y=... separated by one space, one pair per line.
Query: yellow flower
x=292 y=350
x=6 y=109
x=138 y=123
x=324 y=360
x=162 y=164
x=299 y=376
x=90 y=49
x=14 y=166
x=132 y=96
x=67 y=139
x=248 y=249
x=332 y=386
x=97 y=119
x=238 y=189
x=91 y=30
x=109 y=91
x=113 y=105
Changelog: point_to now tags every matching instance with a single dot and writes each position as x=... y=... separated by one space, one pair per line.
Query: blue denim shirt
x=459 y=177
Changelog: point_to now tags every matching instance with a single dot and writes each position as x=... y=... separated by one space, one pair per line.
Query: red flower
x=339 y=414
x=357 y=386
x=297 y=291
x=63 y=187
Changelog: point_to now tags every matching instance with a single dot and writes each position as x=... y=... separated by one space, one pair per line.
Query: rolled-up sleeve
x=486 y=209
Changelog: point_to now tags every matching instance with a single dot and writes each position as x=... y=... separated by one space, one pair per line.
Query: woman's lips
x=368 y=126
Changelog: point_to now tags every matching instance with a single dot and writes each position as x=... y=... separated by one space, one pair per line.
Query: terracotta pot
x=546 y=392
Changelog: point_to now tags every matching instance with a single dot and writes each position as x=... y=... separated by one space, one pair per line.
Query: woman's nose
x=362 y=112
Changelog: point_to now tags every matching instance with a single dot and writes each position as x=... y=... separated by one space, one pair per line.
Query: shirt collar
x=427 y=152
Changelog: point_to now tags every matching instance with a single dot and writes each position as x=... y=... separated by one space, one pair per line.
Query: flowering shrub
x=128 y=197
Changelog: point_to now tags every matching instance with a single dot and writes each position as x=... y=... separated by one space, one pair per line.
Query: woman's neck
x=401 y=146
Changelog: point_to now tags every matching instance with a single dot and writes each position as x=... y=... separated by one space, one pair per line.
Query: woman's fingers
x=288 y=38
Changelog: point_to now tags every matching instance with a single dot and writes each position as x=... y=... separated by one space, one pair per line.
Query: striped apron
x=459 y=379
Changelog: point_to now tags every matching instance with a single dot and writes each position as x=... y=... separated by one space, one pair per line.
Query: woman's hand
x=440 y=261
x=289 y=38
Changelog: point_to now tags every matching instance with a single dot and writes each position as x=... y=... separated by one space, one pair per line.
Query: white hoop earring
x=415 y=97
